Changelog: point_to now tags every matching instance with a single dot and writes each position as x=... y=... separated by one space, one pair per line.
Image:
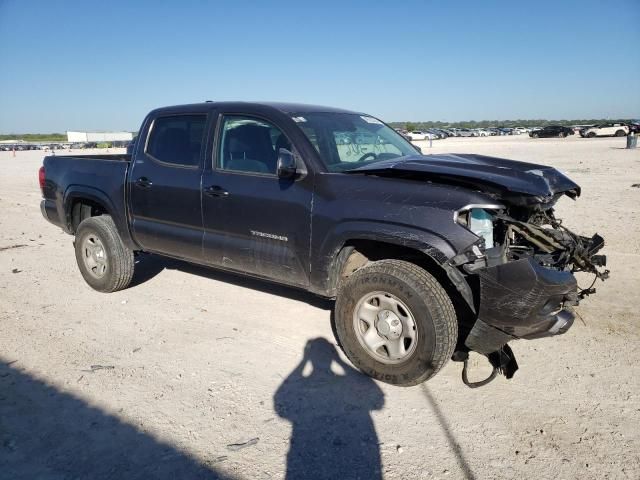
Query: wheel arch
x=81 y=202
x=354 y=253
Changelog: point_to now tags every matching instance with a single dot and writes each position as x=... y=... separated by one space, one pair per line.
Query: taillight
x=41 y=178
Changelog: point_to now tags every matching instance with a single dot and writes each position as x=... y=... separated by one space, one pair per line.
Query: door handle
x=143 y=182
x=216 y=191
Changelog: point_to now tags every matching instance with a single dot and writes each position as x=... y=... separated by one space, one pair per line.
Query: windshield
x=347 y=140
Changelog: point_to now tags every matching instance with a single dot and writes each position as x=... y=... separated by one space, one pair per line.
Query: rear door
x=164 y=186
x=255 y=222
x=619 y=126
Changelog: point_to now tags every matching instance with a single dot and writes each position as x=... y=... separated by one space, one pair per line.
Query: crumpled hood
x=540 y=181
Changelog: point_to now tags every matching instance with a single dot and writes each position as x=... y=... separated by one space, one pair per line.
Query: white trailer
x=80 y=137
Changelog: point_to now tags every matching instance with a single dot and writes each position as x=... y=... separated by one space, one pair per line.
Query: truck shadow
x=148 y=266
x=333 y=435
x=46 y=433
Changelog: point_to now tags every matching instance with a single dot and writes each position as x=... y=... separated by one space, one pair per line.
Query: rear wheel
x=104 y=262
x=395 y=322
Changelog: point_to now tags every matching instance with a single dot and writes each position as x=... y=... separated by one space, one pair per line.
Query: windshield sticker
x=371 y=120
x=299 y=119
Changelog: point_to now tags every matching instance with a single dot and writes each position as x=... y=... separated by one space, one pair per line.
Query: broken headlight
x=479 y=219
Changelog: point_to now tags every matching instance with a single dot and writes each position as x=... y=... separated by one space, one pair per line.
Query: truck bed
x=101 y=179
x=116 y=156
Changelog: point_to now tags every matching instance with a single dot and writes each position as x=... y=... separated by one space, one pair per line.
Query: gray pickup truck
x=429 y=257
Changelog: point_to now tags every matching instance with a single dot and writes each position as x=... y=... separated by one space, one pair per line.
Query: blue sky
x=101 y=65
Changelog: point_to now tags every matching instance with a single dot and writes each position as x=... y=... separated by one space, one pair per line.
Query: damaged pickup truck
x=429 y=257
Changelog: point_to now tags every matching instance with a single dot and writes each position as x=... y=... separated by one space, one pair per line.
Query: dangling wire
x=583 y=292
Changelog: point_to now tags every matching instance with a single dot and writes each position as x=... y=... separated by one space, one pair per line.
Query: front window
x=250 y=145
x=346 y=140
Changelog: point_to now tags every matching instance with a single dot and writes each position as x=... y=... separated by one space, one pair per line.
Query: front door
x=164 y=186
x=255 y=222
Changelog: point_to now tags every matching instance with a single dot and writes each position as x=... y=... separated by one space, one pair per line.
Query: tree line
x=36 y=137
x=500 y=123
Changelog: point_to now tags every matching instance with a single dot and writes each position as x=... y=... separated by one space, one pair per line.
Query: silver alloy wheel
x=94 y=256
x=385 y=327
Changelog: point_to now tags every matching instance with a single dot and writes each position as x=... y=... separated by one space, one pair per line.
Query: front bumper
x=521 y=299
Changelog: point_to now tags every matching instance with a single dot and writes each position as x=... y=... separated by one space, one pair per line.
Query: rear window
x=177 y=139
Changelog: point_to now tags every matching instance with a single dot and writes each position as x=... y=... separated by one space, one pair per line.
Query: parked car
x=428 y=257
x=616 y=129
x=551 y=131
x=403 y=133
x=419 y=135
x=465 y=132
x=436 y=134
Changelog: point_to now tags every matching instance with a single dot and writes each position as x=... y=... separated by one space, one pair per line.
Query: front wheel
x=104 y=262
x=620 y=133
x=395 y=322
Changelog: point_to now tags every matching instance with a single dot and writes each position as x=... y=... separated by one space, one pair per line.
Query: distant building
x=99 y=136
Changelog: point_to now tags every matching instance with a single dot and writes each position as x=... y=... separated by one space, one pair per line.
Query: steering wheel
x=366 y=155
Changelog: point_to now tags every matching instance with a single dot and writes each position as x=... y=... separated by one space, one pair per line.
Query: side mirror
x=286 y=167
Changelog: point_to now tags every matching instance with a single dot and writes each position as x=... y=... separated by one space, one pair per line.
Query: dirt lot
x=208 y=375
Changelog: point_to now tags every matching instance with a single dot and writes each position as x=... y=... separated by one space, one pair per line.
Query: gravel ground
x=193 y=373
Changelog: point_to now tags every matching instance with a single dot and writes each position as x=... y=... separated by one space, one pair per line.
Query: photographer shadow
x=333 y=435
x=50 y=433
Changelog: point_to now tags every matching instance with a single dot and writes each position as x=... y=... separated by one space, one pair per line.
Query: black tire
x=535 y=135
x=119 y=262
x=434 y=316
x=591 y=135
x=562 y=135
x=620 y=133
